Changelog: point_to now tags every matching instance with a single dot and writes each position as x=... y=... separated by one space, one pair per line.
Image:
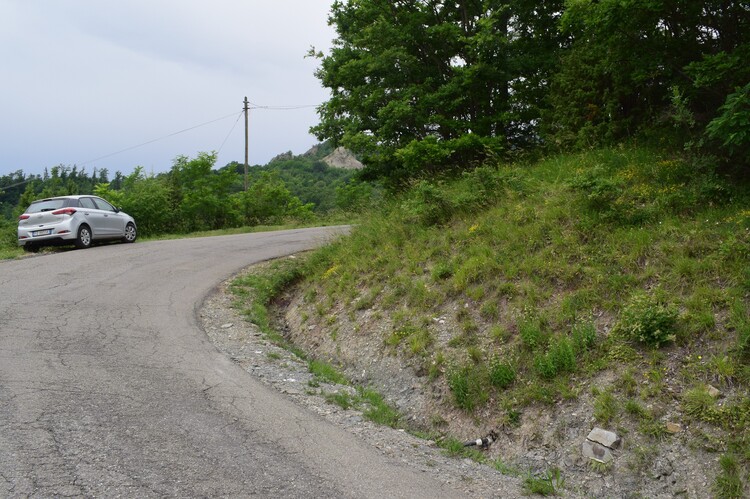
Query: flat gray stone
x=605 y=438
x=596 y=451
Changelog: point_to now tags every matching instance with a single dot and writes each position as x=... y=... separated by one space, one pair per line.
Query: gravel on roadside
x=244 y=343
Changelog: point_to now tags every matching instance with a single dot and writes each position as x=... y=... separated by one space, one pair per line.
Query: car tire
x=84 y=238
x=30 y=248
x=131 y=234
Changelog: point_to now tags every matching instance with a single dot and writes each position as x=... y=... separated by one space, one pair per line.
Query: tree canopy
x=424 y=86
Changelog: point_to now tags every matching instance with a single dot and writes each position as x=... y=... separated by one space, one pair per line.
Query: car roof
x=77 y=196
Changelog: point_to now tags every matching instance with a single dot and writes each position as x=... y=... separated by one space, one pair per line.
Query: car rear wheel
x=30 y=248
x=83 y=240
x=130 y=234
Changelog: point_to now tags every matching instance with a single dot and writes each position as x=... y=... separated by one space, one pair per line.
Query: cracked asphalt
x=109 y=387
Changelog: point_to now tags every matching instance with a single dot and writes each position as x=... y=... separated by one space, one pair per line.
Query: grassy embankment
x=553 y=273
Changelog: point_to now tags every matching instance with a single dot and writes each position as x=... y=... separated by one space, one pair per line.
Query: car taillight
x=24 y=217
x=64 y=211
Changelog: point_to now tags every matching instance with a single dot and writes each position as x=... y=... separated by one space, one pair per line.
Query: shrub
x=8 y=236
x=428 y=205
x=545 y=367
x=647 y=320
x=732 y=125
x=600 y=189
x=698 y=403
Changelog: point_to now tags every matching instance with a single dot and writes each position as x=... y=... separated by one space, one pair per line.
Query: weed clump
x=468 y=387
x=559 y=358
x=648 y=320
x=729 y=482
x=502 y=373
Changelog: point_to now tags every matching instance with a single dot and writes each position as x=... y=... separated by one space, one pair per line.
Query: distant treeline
x=193 y=195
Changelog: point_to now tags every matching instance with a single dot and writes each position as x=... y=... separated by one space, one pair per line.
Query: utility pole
x=246 y=135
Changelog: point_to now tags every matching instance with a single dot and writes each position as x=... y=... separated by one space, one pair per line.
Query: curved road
x=108 y=387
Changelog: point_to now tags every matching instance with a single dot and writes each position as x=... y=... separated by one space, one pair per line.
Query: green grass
x=326 y=372
x=728 y=484
x=373 y=406
x=548 y=484
x=537 y=249
x=377 y=410
x=456 y=448
x=9 y=253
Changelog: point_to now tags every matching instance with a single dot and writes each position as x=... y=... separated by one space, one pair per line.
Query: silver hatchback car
x=79 y=220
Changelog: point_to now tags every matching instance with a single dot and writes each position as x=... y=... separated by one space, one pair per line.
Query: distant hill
x=339 y=157
x=312 y=176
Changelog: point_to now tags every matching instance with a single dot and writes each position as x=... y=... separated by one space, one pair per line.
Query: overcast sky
x=82 y=80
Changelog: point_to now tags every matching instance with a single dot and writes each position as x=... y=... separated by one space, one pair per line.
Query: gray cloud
x=85 y=78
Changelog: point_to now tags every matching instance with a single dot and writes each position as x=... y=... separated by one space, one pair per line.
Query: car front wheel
x=130 y=234
x=83 y=240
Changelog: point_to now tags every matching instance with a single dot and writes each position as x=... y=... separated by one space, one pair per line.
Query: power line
x=252 y=106
x=230 y=132
x=281 y=108
x=19 y=183
x=157 y=139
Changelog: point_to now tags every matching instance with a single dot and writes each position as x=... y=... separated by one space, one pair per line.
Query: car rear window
x=88 y=203
x=50 y=205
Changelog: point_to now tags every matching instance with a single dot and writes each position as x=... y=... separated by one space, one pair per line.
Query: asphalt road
x=108 y=386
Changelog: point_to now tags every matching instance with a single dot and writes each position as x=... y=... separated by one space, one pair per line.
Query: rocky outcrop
x=343 y=158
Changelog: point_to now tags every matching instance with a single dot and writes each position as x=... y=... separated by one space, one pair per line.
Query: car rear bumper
x=26 y=237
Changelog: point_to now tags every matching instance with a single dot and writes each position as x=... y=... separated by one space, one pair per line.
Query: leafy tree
x=422 y=86
x=731 y=128
x=629 y=61
x=268 y=200
x=201 y=195
x=354 y=196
